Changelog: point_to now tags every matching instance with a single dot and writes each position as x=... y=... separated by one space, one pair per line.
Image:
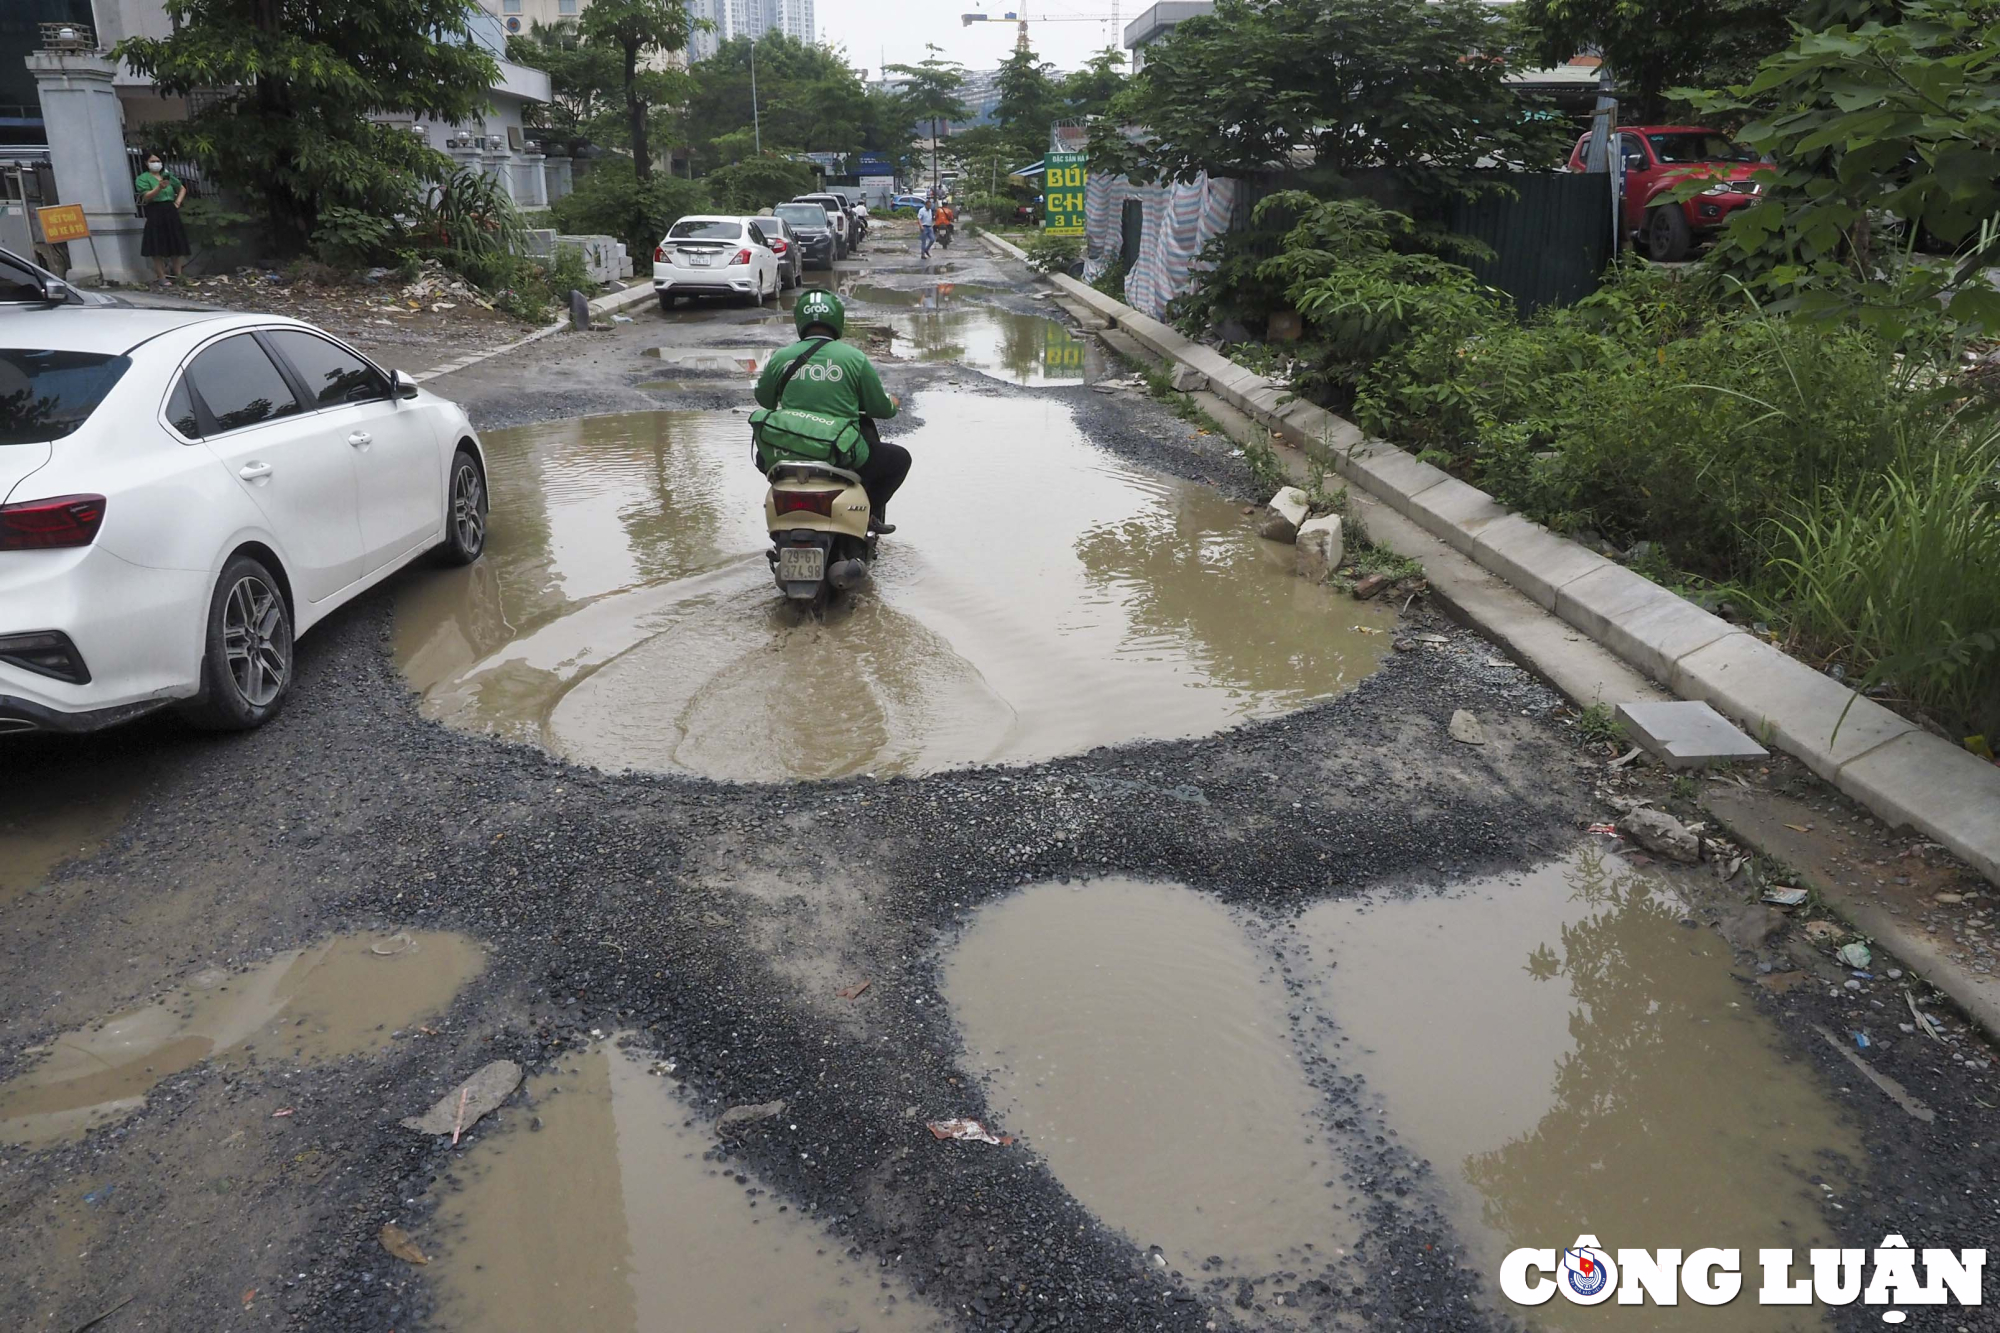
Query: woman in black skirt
x=166 y=240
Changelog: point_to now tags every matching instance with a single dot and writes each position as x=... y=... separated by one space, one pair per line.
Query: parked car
x=1658 y=157
x=836 y=212
x=712 y=255
x=190 y=493
x=816 y=241
x=784 y=243
x=907 y=201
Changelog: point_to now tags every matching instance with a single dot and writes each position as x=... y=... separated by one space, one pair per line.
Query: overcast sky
x=868 y=28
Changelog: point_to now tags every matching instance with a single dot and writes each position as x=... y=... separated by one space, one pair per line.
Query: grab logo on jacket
x=824 y=371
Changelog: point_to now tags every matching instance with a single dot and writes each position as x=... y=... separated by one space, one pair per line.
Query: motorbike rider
x=837 y=381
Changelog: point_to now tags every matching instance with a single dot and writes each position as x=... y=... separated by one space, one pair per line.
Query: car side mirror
x=55 y=291
x=405 y=386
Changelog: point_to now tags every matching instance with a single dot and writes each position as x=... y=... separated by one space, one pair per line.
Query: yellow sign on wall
x=1064 y=175
x=63 y=222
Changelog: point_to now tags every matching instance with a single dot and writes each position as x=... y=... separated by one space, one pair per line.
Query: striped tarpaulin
x=1178 y=219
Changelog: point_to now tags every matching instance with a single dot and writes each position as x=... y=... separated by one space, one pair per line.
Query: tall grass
x=1897 y=577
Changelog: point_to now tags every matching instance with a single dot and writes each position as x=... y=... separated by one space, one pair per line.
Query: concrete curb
x=1901 y=773
x=599 y=305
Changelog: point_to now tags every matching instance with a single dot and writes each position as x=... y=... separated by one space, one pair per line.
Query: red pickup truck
x=1658 y=157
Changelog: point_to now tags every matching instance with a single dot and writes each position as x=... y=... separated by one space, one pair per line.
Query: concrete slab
x=1456 y=512
x=1390 y=475
x=1532 y=558
x=1687 y=734
x=1930 y=784
x=1660 y=634
x=1782 y=701
x=1599 y=600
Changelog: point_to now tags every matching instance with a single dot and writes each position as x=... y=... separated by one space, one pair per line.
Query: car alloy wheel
x=256 y=641
x=468 y=508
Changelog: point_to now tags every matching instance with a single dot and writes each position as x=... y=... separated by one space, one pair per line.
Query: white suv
x=706 y=255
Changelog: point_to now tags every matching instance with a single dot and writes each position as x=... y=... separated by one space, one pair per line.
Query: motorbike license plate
x=801 y=564
x=701 y=258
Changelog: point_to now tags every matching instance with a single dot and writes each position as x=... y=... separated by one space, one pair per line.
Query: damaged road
x=1369 y=996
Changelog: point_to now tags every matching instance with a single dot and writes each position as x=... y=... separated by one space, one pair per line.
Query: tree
x=582 y=79
x=1885 y=120
x=1029 y=100
x=303 y=77
x=808 y=99
x=1654 y=45
x=757 y=182
x=635 y=30
x=1412 y=87
x=931 y=94
x=1088 y=91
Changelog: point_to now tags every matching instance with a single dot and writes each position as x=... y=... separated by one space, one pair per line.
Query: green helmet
x=819 y=306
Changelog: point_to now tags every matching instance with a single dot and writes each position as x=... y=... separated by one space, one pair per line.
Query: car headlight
x=1720 y=187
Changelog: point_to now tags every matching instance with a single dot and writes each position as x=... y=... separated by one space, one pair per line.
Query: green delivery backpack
x=783 y=433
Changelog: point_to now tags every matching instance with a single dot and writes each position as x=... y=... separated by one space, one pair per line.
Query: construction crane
x=1022 y=18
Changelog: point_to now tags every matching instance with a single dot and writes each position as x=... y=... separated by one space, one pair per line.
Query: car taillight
x=742 y=257
x=45 y=525
x=815 y=502
x=777 y=247
x=659 y=254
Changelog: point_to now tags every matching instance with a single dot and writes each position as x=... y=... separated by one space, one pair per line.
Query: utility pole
x=756 y=124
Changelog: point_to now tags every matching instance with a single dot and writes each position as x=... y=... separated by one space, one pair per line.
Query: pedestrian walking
x=161 y=195
x=926 y=228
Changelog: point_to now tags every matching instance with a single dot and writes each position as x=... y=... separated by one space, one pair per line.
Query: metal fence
x=1550 y=233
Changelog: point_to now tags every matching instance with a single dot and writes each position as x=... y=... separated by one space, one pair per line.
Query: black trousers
x=883 y=473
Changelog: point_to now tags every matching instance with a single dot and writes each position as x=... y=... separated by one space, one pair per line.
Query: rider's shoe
x=880 y=526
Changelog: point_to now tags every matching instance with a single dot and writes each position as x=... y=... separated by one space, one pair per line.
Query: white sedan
x=707 y=255
x=184 y=493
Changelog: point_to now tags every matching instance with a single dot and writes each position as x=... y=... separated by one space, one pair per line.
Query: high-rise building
x=749 y=18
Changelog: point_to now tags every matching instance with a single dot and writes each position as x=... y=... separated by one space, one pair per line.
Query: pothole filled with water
x=599 y=1206
x=1041 y=597
x=1565 y=1052
x=1020 y=349
x=735 y=362
x=346 y=996
x=66 y=811
x=1572 y=1059
x=1131 y=1035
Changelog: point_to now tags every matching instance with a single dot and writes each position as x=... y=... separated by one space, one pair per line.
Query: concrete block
x=1456 y=512
x=1320 y=548
x=1532 y=558
x=1292 y=504
x=1686 y=734
x=1662 y=633
x=1930 y=784
x=1782 y=700
x=1390 y=474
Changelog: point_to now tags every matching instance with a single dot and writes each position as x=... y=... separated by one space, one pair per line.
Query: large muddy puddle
x=65 y=811
x=1131 y=1035
x=1572 y=1059
x=601 y=1207
x=1020 y=349
x=1568 y=1056
x=346 y=996
x=1042 y=597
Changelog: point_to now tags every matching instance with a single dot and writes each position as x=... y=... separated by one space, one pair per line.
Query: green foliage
x=1654 y=45
x=808 y=100
x=470 y=214
x=1090 y=90
x=1896 y=575
x=1598 y=725
x=1414 y=87
x=1894 y=120
x=222 y=235
x=584 y=81
x=1054 y=254
x=635 y=32
x=348 y=237
x=1029 y=102
x=992 y=209
x=612 y=201
x=1266 y=470
x=291 y=130
x=758 y=183
x=1111 y=282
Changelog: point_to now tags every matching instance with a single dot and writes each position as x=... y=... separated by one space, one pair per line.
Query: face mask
x=152 y=166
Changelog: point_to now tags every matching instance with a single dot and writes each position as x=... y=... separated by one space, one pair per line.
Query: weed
x=1598 y=725
x=1266 y=469
x=1683 y=788
x=1319 y=499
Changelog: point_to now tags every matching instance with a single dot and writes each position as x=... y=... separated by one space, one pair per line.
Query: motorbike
x=817 y=515
x=944 y=234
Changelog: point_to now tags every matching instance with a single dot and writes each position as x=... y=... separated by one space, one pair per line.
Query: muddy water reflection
x=1572 y=1059
x=607 y=1218
x=64 y=810
x=1023 y=349
x=1133 y=1037
x=340 y=998
x=624 y=613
